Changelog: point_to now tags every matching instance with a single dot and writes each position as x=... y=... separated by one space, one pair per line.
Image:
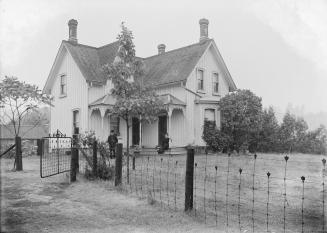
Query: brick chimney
x=72 y=24
x=161 y=48
x=203 y=29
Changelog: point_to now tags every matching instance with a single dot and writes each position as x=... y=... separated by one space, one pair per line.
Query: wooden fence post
x=189 y=179
x=95 y=158
x=74 y=156
x=119 y=163
x=19 y=159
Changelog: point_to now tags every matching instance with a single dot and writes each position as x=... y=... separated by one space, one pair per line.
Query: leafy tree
x=132 y=97
x=20 y=100
x=292 y=133
x=269 y=133
x=241 y=113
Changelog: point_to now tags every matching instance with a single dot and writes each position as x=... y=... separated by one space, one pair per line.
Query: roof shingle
x=169 y=67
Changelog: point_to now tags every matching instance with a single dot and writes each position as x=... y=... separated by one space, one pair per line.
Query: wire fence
x=256 y=193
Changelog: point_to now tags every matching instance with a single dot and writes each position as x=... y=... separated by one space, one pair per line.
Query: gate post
x=95 y=158
x=74 y=156
x=189 y=179
x=19 y=159
x=118 y=165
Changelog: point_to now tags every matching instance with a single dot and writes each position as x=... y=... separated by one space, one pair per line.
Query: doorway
x=135 y=131
x=162 y=129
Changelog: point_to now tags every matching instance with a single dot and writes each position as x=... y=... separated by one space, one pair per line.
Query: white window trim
x=62 y=95
x=197 y=86
x=213 y=82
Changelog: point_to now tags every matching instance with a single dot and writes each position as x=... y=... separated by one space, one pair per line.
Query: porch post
x=169 y=121
x=140 y=131
x=102 y=113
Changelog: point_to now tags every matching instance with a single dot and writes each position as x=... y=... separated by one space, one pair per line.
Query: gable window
x=200 y=76
x=215 y=82
x=63 y=85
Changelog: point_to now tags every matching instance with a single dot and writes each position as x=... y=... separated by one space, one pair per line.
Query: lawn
x=232 y=205
x=31 y=204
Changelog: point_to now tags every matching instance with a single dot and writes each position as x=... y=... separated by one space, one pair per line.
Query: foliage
x=19 y=100
x=105 y=172
x=269 y=132
x=241 y=113
x=132 y=97
x=214 y=138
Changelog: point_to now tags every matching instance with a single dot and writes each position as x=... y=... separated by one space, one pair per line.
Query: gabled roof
x=167 y=68
x=168 y=99
x=175 y=65
x=90 y=59
x=104 y=100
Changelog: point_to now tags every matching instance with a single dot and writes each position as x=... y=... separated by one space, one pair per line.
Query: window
x=63 y=85
x=209 y=115
x=76 y=119
x=215 y=80
x=200 y=74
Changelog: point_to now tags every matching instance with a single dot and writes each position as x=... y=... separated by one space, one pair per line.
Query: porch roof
x=104 y=100
x=169 y=99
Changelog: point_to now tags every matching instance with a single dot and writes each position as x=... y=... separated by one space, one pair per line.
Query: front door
x=162 y=129
x=135 y=131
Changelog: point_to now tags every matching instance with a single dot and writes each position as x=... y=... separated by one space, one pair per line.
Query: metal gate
x=56 y=154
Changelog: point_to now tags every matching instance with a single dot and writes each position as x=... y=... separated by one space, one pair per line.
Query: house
x=190 y=81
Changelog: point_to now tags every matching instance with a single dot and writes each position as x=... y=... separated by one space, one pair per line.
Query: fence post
x=74 y=157
x=39 y=148
x=95 y=158
x=189 y=179
x=19 y=159
x=118 y=166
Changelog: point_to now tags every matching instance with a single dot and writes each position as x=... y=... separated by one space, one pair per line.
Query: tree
x=269 y=133
x=292 y=133
x=215 y=139
x=19 y=99
x=132 y=97
x=241 y=113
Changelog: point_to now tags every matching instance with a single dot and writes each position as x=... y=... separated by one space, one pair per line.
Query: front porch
x=145 y=135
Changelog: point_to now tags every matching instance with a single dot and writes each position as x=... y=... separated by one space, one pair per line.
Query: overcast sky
x=276 y=48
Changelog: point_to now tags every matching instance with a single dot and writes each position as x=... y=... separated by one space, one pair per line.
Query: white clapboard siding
x=76 y=99
x=195 y=112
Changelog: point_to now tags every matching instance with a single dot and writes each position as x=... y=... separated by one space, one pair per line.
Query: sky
x=276 y=48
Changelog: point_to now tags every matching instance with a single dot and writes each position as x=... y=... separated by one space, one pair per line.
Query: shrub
x=105 y=172
x=214 y=138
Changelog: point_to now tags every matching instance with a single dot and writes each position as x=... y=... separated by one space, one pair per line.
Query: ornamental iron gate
x=56 y=154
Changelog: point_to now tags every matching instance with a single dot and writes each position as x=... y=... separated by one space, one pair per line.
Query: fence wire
x=226 y=188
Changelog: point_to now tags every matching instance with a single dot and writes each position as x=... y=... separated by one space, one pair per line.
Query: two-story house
x=190 y=81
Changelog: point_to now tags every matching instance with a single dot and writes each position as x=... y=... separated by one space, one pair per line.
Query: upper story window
x=63 y=85
x=215 y=82
x=200 y=77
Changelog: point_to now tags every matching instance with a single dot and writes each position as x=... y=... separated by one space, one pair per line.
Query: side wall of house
x=76 y=98
x=210 y=64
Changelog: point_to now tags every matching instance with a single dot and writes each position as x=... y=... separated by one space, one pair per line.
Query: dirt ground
x=32 y=204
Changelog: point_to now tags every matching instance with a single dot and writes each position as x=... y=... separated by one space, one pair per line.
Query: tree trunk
x=127 y=150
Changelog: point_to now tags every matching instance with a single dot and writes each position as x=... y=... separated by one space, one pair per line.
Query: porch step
x=172 y=151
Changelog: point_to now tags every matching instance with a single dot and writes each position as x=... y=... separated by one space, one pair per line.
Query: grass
x=246 y=206
x=32 y=204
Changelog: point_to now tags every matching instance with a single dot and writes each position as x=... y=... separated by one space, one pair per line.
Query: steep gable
x=173 y=66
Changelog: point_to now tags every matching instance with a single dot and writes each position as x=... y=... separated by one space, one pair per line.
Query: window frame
x=197 y=79
x=214 y=83
x=63 y=86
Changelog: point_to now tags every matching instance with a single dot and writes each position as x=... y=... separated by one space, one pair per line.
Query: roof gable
x=173 y=66
x=169 y=67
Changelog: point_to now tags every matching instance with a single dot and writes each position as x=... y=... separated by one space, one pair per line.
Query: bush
x=105 y=172
x=214 y=138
